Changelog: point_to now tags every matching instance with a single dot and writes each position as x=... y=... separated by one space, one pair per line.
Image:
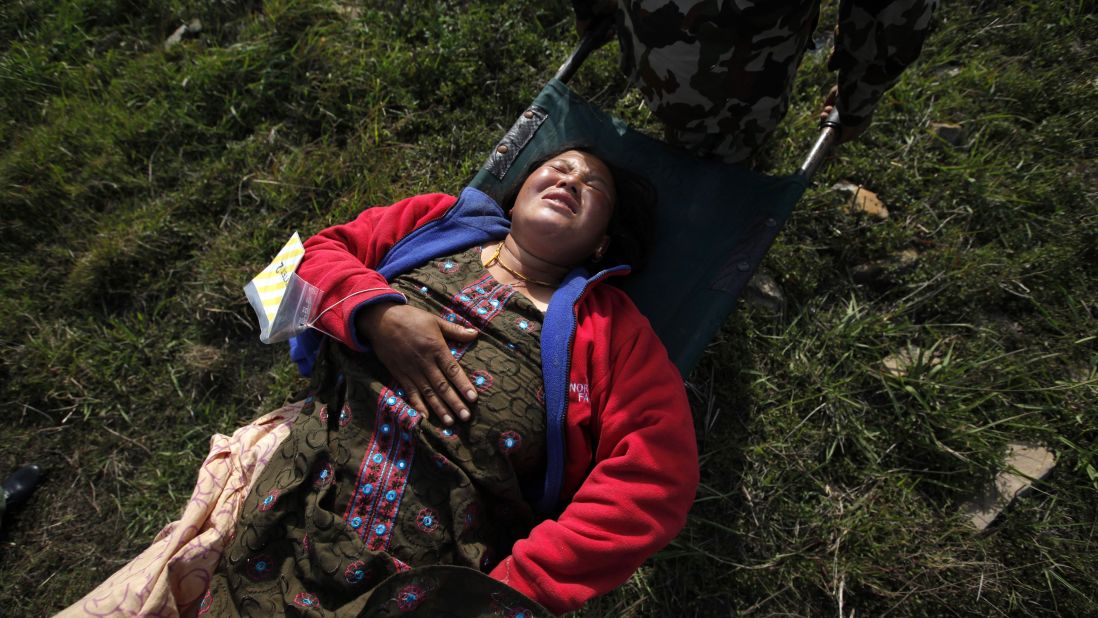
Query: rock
x=187 y=30
x=823 y=42
x=846 y=187
x=175 y=37
x=763 y=292
x=885 y=272
x=948 y=70
x=870 y=273
x=905 y=259
x=1025 y=463
x=950 y=133
x=348 y=11
x=862 y=199
x=867 y=201
x=908 y=357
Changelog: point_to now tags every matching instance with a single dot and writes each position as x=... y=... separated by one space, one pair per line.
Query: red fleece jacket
x=631 y=457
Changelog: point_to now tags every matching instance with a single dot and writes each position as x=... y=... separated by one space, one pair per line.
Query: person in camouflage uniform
x=718 y=73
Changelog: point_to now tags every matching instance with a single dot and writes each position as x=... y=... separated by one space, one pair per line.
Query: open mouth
x=563 y=198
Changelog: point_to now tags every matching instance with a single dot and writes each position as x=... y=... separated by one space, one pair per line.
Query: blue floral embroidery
x=307 y=600
x=207 y=600
x=409 y=597
x=260 y=568
x=268 y=501
x=355 y=572
x=509 y=441
x=324 y=475
x=427 y=520
x=482 y=380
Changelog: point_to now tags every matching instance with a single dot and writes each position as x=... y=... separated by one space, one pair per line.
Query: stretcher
x=715 y=221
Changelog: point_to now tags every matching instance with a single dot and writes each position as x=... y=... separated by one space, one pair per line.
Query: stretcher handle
x=592 y=39
x=825 y=144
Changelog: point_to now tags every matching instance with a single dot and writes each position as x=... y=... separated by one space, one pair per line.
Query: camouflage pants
x=718 y=73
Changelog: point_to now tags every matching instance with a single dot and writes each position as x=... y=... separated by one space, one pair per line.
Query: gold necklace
x=495 y=260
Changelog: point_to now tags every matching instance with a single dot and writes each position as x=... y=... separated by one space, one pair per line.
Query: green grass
x=141 y=187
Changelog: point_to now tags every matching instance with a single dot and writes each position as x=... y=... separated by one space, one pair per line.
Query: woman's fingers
x=412 y=344
x=455 y=375
x=456 y=332
x=411 y=393
x=430 y=383
x=421 y=396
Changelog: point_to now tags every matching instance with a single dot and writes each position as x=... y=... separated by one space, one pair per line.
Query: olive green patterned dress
x=364 y=498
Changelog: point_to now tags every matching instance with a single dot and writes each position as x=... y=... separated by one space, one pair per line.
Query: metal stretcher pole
x=593 y=38
x=825 y=143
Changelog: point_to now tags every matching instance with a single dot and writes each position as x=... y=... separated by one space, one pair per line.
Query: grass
x=140 y=187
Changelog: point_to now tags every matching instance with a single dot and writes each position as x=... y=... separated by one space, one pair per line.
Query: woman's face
x=563 y=208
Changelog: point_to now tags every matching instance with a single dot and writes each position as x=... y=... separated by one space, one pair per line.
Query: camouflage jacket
x=698 y=60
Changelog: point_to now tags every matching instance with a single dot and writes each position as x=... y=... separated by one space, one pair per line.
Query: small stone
x=1025 y=463
x=885 y=272
x=175 y=37
x=763 y=292
x=862 y=199
x=906 y=258
x=822 y=43
x=948 y=70
x=187 y=30
x=348 y=11
x=867 y=201
x=906 y=358
x=846 y=187
x=950 y=133
x=870 y=273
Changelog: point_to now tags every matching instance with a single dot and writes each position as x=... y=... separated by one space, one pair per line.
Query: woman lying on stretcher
x=484 y=404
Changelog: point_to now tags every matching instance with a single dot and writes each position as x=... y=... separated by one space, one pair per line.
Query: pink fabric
x=172 y=575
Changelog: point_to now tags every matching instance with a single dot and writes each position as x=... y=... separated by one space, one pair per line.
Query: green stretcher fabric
x=714 y=221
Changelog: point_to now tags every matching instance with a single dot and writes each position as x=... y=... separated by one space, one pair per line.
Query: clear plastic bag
x=284 y=302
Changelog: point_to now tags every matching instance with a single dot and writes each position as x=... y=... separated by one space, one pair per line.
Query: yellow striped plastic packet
x=283 y=301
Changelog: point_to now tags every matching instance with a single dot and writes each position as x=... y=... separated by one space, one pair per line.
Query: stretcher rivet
x=771 y=222
x=743 y=266
x=502 y=149
x=528 y=114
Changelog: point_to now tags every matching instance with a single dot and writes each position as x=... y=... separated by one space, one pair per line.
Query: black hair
x=632 y=224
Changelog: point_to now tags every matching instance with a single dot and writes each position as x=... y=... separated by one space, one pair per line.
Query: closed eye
x=598 y=185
